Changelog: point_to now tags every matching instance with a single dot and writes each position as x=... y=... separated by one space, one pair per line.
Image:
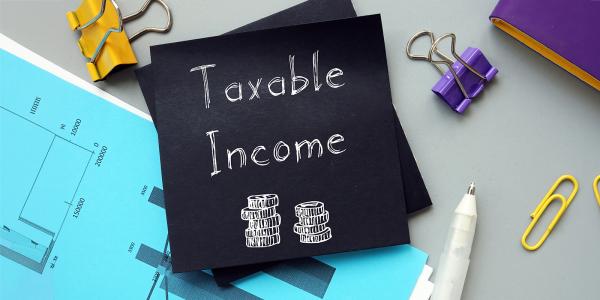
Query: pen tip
x=471 y=190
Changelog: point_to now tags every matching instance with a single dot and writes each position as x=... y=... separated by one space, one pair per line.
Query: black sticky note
x=415 y=192
x=344 y=197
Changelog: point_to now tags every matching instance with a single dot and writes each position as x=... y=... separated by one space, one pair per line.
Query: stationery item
x=466 y=77
x=107 y=211
x=550 y=196
x=454 y=261
x=565 y=32
x=278 y=138
x=77 y=169
x=103 y=39
x=415 y=192
x=596 y=188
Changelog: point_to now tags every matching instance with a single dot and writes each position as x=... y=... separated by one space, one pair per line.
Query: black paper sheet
x=236 y=192
x=416 y=195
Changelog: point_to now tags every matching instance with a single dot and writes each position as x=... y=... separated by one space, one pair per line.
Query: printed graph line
x=74 y=194
x=44 y=128
x=17 y=244
x=37 y=226
x=69 y=204
x=36 y=176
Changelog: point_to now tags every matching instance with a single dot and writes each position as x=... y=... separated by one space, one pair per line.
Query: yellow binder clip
x=103 y=40
x=595 y=187
x=539 y=210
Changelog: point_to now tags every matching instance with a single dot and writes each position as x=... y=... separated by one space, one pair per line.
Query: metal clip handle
x=435 y=50
x=412 y=41
x=541 y=208
x=444 y=59
x=142 y=11
x=125 y=19
x=97 y=16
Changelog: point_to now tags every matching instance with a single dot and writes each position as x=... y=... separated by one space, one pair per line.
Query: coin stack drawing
x=263 y=221
x=312 y=222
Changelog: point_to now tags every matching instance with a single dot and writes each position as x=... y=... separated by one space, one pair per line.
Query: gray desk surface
x=533 y=124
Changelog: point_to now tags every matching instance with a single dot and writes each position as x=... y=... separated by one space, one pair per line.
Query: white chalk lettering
x=254 y=89
x=281 y=151
x=276 y=153
x=277 y=79
x=205 y=80
x=255 y=153
x=335 y=72
x=334 y=139
x=295 y=78
x=309 y=147
x=316 y=83
x=213 y=148
x=297 y=83
x=231 y=86
x=242 y=155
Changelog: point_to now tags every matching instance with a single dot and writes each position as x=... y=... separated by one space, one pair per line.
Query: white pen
x=454 y=261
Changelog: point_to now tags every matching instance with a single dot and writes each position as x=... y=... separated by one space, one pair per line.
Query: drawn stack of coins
x=312 y=222
x=263 y=221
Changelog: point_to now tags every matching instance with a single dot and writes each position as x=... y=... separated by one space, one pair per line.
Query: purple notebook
x=565 y=32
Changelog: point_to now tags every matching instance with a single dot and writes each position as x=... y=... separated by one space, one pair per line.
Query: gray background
x=534 y=123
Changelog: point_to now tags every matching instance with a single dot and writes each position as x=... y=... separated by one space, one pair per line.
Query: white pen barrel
x=450 y=285
x=454 y=261
x=460 y=235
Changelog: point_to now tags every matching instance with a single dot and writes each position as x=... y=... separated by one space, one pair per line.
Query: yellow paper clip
x=103 y=40
x=539 y=210
x=595 y=187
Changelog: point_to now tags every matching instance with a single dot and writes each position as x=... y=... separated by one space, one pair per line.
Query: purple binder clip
x=466 y=77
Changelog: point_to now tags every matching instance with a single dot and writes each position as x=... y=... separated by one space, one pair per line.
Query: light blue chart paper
x=76 y=176
x=82 y=209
